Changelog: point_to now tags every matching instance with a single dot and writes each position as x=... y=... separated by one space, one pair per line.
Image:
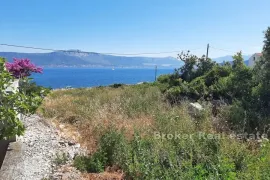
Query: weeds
x=61 y=158
x=121 y=124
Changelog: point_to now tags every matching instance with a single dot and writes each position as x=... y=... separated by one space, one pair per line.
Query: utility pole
x=207 y=52
x=156 y=73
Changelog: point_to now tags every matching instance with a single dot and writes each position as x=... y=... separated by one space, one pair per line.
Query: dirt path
x=38 y=149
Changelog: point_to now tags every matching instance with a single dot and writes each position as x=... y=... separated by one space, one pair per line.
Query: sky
x=136 y=26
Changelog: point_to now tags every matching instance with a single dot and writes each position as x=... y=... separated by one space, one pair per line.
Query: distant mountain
x=228 y=58
x=76 y=58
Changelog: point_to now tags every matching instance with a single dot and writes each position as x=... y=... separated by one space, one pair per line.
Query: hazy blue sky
x=135 y=26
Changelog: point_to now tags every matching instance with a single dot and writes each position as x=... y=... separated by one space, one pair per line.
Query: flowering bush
x=25 y=101
x=21 y=68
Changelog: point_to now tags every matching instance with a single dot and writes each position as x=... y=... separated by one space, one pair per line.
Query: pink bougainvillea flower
x=20 y=68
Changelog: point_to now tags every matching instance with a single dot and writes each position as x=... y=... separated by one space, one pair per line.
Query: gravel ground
x=39 y=147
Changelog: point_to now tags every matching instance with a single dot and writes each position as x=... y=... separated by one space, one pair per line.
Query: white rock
x=77 y=145
x=62 y=126
x=196 y=106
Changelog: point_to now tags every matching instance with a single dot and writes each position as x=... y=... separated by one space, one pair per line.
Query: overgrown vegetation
x=150 y=131
x=245 y=89
x=128 y=123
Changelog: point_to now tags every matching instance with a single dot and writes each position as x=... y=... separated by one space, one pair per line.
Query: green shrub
x=35 y=93
x=111 y=144
x=174 y=94
x=216 y=73
x=93 y=164
x=164 y=78
x=170 y=79
x=111 y=151
x=80 y=162
x=236 y=116
x=198 y=89
x=117 y=85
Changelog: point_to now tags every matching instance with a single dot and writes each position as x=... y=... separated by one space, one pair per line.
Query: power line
x=143 y=53
x=222 y=49
x=29 y=47
x=50 y=49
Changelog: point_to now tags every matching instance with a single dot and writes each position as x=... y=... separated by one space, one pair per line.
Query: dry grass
x=103 y=176
x=87 y=113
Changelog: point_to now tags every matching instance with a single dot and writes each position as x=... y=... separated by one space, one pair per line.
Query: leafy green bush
x=170 y=79
x=198 y=89
x=34 y=93
x=174 y=94
x=111 y=143
x=109 y=153
x=117 y=85
x=215 y=74
x=93 y=164
x=165 y=78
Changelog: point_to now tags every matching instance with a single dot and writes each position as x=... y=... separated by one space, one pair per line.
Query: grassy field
x=134 y=128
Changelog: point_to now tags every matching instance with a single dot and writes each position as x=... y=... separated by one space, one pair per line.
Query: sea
x=92 y=77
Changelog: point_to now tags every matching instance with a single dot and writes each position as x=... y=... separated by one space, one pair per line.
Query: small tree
x=204 y=66
x=238 y=61
x=262 y=75
x=241 y=79
x=194 y=66
x=188 y=71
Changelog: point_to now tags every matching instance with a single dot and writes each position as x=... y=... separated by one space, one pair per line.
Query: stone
x=196 y=106
x=61 y=126
x=77 y=145
x=71 y=143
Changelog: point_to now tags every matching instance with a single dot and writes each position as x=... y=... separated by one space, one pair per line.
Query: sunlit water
x=90 y=77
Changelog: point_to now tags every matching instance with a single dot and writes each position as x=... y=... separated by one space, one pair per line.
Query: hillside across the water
x=76 y=58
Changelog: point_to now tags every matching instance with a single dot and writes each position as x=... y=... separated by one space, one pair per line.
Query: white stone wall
x=13 y=88
x=253 y=59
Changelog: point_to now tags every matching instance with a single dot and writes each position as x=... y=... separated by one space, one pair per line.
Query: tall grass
x=94 y=110
x=89 y=104
x=123 y=127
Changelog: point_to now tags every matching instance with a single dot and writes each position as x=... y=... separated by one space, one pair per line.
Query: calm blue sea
x=90 y=77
